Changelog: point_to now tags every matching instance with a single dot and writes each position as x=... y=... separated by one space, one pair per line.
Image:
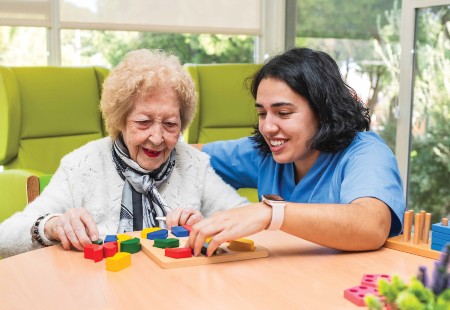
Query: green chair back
x=46 y=112
x=225 y=107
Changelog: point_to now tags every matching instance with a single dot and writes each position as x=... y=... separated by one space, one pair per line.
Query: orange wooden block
x=242 y=245
x=118 y=262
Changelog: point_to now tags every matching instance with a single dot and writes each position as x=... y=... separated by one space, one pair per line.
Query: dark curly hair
x=315 y=76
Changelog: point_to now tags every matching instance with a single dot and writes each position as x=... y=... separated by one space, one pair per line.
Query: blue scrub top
x=366 y=168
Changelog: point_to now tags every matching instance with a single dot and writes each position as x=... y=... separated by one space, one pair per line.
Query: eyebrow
x=275 y=105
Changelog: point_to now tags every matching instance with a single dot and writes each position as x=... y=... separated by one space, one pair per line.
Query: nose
x=156 y=134
x=268 y=125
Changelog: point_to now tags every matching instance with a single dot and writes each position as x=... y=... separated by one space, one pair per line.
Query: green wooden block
x=131 y=246
x=98 y=241
x=166 y=243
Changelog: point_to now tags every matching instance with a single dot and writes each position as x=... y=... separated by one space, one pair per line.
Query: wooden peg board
x=421 y=249
x=223 y=255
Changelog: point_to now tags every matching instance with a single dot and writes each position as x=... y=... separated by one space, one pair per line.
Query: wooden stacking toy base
x=421 y=249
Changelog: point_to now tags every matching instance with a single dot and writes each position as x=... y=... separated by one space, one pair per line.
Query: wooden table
x=296 y=275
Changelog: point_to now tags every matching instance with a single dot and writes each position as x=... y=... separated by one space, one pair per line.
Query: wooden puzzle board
x=421 y=249
x=223 y=255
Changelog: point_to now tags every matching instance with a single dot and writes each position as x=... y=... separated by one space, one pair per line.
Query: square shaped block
x=179 y=231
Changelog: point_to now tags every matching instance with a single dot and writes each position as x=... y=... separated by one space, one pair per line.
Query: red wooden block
x=187 y=227
x=178 y=252
x=109 y=249
x=94 y=252
x=356 y=294
x=372 y=279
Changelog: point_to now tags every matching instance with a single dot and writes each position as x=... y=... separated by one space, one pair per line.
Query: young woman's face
x=153 y=127
x=286 y=121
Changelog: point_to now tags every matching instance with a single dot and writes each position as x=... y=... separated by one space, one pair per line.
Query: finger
x=174 y=218
x=71 y=235
x=90 y=226
x=194 y=218
x=205 y=230
x=214 y=243
x=62 y=237
x=185 y=214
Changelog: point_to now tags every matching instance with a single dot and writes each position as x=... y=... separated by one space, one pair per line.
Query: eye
x=262 y=114
x=170 y=124
x=284 y=113
x=143 y=122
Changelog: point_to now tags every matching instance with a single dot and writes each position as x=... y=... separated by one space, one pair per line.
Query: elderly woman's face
x=153 y=127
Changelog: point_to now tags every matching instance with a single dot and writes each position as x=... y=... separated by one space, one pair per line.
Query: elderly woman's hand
x=183 y=216
x=75 y=227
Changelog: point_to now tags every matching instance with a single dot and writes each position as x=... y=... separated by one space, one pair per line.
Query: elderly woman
x=141 y=171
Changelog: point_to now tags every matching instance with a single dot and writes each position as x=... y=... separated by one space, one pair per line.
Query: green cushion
x=45 y=154
x=43 y=181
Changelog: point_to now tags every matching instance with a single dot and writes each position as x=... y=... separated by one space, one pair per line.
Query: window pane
x=362 y=36
x=430 y=145
x=23 y=46
x=218 y=16
x=107 y=48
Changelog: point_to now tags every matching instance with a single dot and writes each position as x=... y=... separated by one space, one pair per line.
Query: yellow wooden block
x=120 y=238
x=241 y=245
x=146 y=231
x=118 y=262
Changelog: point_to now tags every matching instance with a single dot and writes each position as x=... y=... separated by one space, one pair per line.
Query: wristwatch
x=277 y=203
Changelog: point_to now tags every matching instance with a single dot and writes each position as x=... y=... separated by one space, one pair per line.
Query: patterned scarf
x=141 y=201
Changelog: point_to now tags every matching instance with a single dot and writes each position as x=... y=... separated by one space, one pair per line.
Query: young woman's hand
x=229 y=225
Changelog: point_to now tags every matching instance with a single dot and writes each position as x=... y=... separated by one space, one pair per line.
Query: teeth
x=276 y=142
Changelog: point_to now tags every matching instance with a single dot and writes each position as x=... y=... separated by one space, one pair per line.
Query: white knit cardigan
x=88 y=178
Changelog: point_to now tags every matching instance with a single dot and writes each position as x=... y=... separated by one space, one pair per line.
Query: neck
x=302 y=166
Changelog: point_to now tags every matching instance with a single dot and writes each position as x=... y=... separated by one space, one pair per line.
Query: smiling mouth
x=151 y=153
x=277 y=143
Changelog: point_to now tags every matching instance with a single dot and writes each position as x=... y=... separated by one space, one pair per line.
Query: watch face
x=273 y=197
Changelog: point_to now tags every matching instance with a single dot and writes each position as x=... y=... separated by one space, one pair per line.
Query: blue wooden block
x=437 y=247
x=179 y=231
x=110 y=238
x=441 y=236
x=439 y=241
x=159 y=234
x=441 y=229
